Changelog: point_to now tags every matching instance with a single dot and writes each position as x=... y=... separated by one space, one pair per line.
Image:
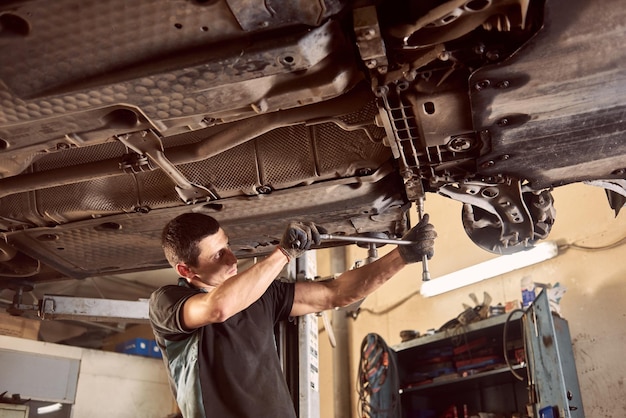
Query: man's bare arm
x=234 y=295
x=351 y=286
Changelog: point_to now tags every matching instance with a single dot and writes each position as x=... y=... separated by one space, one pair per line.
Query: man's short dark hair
x=181 y=236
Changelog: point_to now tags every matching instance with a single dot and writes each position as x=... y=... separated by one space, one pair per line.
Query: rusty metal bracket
x=149 y=144
x=369 y=39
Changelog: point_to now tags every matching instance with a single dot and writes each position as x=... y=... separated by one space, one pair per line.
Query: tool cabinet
x=518 y=364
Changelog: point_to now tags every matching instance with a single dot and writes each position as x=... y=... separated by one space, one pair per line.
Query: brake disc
x=501 y=217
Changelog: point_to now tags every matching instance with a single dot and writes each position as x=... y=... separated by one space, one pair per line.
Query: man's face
x=216 y=262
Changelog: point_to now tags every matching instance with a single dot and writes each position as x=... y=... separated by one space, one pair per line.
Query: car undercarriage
x=116 y=116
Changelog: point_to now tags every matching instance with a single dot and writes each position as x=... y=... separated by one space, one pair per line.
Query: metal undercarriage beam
x=54 y=307
x=92 y=309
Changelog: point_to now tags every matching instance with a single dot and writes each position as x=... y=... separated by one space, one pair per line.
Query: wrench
x=371 y=240
x=365 y=239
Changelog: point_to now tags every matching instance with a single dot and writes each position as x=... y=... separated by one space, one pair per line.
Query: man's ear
x=184 y=271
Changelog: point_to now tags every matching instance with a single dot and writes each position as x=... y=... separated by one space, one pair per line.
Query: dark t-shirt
x=229 y=369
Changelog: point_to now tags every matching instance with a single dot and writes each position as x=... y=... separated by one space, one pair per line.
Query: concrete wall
x=109 y=384
x=594 y=304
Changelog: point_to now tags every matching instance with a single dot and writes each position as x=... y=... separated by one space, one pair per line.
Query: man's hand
x=423 y=234
x=299 y=237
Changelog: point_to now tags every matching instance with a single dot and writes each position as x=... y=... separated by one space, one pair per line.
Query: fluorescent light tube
x=488 y=269
x=48 y=409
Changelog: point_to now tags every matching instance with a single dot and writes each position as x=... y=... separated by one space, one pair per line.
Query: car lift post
x=298 y=346
x=308 y=348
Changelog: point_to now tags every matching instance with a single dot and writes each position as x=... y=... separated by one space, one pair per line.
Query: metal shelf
x=444 y=335
x=487 y=378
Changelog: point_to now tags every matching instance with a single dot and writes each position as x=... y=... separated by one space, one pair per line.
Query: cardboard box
x=17 y=326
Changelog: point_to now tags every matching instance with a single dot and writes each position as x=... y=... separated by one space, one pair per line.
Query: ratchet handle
x=368 y=240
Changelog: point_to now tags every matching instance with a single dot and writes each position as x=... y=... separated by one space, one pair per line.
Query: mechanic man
x=216 y=327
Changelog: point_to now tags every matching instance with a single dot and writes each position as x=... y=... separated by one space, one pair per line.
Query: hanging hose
x=378 y=382
x=504 y=344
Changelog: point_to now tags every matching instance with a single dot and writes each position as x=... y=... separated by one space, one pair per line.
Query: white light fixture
x=488 y=269
x=48 y=409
